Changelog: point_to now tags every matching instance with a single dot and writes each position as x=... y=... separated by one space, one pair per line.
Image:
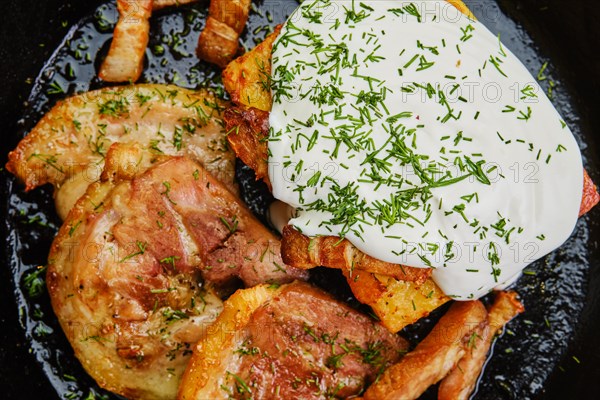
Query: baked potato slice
x=68 y=146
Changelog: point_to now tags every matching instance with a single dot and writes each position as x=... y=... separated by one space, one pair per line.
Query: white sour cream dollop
x=410 y=130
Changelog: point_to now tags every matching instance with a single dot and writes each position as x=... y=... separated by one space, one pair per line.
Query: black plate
x=555 y=352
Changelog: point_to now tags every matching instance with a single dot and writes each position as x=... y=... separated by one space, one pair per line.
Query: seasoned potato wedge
x=396 y=303
x=246 y=78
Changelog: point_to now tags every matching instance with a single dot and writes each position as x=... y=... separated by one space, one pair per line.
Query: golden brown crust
x=329 y=251
x=247 y=78
x=434 y=357
x=398 y=295
x=125 y=59
x=212 y=355
x=460 y=382
x=247 y=132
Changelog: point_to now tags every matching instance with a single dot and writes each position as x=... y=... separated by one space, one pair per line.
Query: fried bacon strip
x=434 y=357
x=125 y=59
x=233 y=13
x=329 y=251
x=461 y=381
x=159 y=4
x=218 y=42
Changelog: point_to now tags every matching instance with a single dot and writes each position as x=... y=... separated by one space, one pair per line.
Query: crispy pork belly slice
x=125 y=59
x=247 y=133
x=331 y=251
x=130 y=318
x=460 y=382
x=218 y=41
x=434 y=357
x=233 y=13
x=68 y=146
x=291 y=342
x=131 y=272
x=187 y=217
x=160 y=4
